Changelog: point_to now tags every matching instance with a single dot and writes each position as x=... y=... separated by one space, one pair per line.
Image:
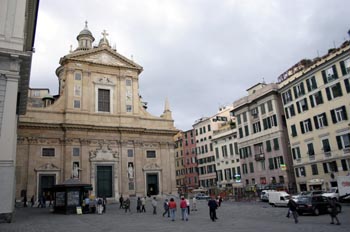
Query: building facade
x=190 y=160
x=97 y=130
x=263 y=140
x=315 y=96
x=17 y=31
x=179 y=163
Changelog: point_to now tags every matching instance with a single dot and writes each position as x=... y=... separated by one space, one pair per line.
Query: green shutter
x=343 y=69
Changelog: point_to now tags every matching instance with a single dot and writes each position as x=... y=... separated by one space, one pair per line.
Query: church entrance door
x=45 y=183
x=152 y=184
x=104 y=181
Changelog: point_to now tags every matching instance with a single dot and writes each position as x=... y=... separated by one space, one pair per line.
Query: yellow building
x=97 y=130
x=315 y=95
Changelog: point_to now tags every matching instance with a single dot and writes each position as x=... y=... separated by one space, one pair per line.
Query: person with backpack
x=166 y=208
x=292 y=205
x=99 y=205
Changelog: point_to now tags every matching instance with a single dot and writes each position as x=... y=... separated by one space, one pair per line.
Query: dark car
x=316 y=205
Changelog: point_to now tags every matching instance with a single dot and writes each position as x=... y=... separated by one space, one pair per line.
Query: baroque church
x=96 y=130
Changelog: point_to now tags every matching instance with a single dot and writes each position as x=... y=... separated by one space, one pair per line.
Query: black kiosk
x=69 y=195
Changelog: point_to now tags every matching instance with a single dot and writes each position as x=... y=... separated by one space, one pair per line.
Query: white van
x=280 y=198
x=264 y=195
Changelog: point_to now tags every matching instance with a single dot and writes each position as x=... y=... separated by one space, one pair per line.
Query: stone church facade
x=96 y=129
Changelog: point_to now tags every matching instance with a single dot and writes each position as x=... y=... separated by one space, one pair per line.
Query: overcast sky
x=200 y=54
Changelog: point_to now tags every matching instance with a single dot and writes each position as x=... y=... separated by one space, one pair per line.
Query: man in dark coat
x=213 y=205
x=293 y=208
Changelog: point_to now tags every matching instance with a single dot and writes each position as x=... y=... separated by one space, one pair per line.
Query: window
x=36 y=93
x=276 y=146
x=270 y=122
x=290 y=112
x=258 y=149
x=300 y=172
x=310 y=149
x=151 y=154
x=339 y=114
x=209 y=128
x=255 y=112
x=231 y=149
x=246 y=130
x=103 y=100
x=262 y=108
x=330 y=167
x=256 y=127
x=76 y=151
x=244 y=117
x=240 y=131
x=130 y=153
x=302 y=105
x=316 y=99
x=244 y=168
x=128 y=82
x=128 y=108
x=296 y=153
x=299 y=90
x=305 y=126
x=320 y=121
x=77 y=90
x=345 y=66
x=314 y=169
x=224 y=151
x=345 y=164
x=251 y=167
x=329 y=74
x=76 y=104
x=334 y=91
x=343 y=141
x=77 y=76
x=275 y=163
x=325 y=145
x=269 y=106
x=311 y=83
x=347 y=85
x=50 y=152
x=268 y=146
x=294 y=130
x=287 y=97
x=239 y=119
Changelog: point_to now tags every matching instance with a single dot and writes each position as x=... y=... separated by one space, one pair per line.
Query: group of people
x=95 y=205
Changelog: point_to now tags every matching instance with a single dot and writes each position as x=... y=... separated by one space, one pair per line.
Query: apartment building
x=262 y=140
x=315 y=95
x=190 y=160
x=204 y=128
x=227 y=160
x=179 y=163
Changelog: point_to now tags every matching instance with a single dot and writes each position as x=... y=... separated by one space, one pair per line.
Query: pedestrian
x=154 y=205
x=188 y=206
x=220 y=200
x=99 y=205
x=32 y=201
x=25 y=201
x=213 y=205
x=127 y=204
x=44 y=202
x=87 y=205
x=333 y=211
x=194 y=204
x=183 y=206
x=166 y=208
x=293 y=208
x=121 y=201
x=143 y=204
x=172 y=208
x=138 y=205
x=40 y=205
x=104 y=204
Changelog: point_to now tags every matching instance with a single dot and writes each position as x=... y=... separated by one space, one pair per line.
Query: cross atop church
x=104 y=33
x=86 y=23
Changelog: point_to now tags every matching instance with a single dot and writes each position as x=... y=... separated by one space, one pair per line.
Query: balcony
x=328 y=154
x=346 y=150
x=260 y=156
x=312 y=158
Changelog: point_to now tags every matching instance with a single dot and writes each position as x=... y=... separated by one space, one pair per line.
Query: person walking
x=172 y=208
x=127 y=204
x=293 y=208
x=183 y=206
x=213 y=205
x=154 y=205
x=104 y=204
x=194 y=204
x=166 y=208
x=32 y=201
x=25 y=201
x=138 y=205
x=188 y=206
x=143 y=204
x=333 y=211
x=121 y=201
x=99 y=205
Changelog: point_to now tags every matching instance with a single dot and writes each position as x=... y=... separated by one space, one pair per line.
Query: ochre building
x=96 y=129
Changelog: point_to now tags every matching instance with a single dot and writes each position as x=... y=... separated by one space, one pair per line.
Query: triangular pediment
x=48 y=167
x=103 y=56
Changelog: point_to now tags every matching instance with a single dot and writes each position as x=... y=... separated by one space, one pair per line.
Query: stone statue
x=130 y=171
x=75 y=171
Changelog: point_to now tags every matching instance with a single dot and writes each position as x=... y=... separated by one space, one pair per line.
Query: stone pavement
x=233 y=216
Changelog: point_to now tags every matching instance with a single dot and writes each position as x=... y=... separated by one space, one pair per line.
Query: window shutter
x=310 y=124
x=340 y=145
x=275 y=119
x=329 y=97
x=298 y=107
x=302 y=88
x=334 y=119
x=347 y=85
x=339 y=89
x=345 y=116
x=335 y=72
x=293 y=153
x=320 y=96
x=308 y=84
x=302 y=127
x=313 y=81
x=343 y=69
x=316 y=122
x=312 y=101
x=295 y=92
x=325 y=119
x=292 y=112
x=324 y=77
x=286 y=112
x=297 y=172
x=325 y=168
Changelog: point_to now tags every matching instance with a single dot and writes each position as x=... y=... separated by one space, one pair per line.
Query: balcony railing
x=327 y=154
x=260 y=156
x=312 y=157
x=346 y=150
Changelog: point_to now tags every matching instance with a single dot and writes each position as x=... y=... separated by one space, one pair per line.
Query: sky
x=199 y=54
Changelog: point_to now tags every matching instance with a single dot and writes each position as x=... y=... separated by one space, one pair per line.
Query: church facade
x=97 y=129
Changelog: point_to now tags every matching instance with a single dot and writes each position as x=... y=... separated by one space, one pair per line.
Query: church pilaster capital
x=21 y=140
x=32 y=140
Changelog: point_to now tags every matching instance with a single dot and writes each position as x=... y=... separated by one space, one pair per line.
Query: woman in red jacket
x=172 y=208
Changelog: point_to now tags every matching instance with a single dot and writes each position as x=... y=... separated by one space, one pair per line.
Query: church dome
x=85 y=39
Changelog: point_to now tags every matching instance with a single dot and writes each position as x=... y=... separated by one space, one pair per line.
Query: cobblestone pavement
x=233 y=216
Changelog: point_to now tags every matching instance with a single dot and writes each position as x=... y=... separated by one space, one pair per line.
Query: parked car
x=316 y=205
x=202 y=196
x=264 y=195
